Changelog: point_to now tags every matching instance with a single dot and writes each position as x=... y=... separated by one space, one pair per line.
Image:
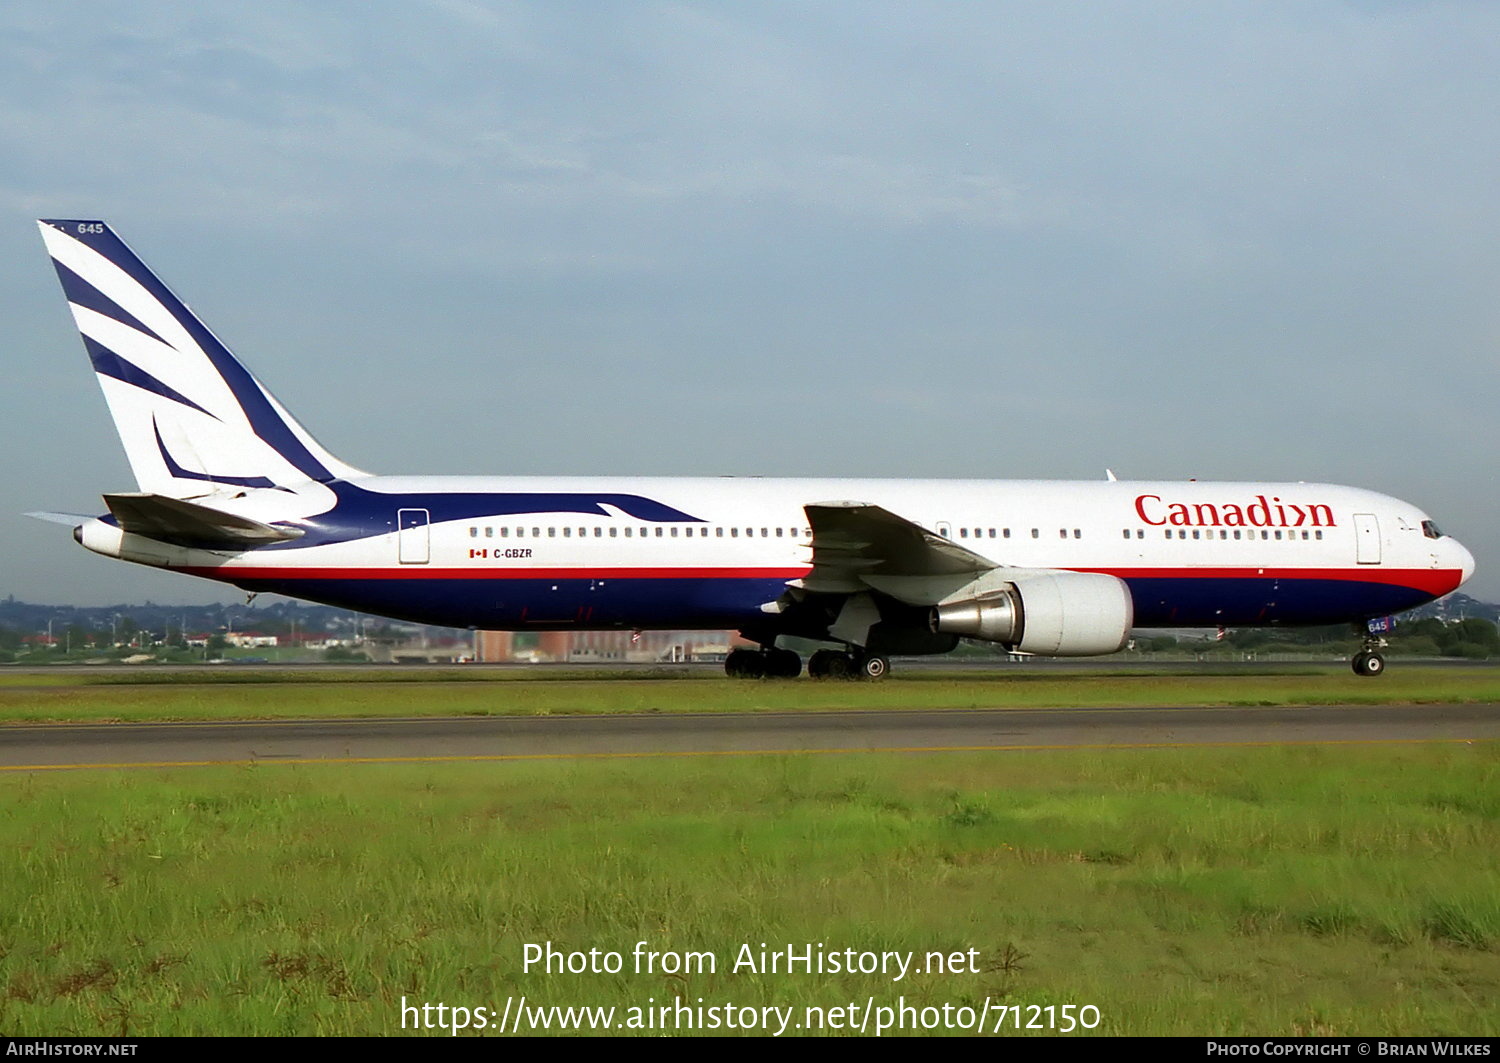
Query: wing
x=883 y=582
x=860 y=547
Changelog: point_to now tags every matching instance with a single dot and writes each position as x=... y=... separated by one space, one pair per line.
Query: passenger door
x=1366 y=539
x=412 y=536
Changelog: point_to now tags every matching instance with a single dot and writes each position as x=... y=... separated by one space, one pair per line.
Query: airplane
x=232 y=488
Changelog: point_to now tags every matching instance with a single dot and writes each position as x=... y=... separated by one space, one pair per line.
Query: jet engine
x=1053 y=614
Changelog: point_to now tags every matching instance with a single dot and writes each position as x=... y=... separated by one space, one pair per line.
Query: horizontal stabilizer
x=188 y=524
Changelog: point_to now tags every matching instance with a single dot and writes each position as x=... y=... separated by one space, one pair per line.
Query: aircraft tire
x=873 y=667
x=783 y=664
x=743 y=664
x=830 y=664
x=1368 y=664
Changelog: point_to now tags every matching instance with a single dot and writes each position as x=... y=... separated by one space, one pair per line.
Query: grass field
x=1312 y=890
x=208 y=695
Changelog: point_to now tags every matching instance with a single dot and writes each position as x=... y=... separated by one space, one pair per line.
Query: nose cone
x=1465 y=561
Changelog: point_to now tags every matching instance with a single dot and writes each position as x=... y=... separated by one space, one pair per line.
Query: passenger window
x=613 y=532
x=627 y=533
x=1078 y=533
x=658 y=532
x=505 y=532
x=734 y=533
x=489 y=533
x=1036 y=533
x=552 y=533
x=719 y=532
x=473 y=533
x=567 y=533
x=674 y=531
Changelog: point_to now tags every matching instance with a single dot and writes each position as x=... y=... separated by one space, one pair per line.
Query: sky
x=1241 y=241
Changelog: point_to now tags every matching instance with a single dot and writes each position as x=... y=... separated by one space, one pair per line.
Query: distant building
x=585 y=646
x=247 y=640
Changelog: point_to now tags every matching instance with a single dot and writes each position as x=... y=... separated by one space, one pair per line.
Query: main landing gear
x=833 y=664
x=762 y=664
x=825 y=664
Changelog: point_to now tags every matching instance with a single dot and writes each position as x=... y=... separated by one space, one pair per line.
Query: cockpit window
x=1430 y=530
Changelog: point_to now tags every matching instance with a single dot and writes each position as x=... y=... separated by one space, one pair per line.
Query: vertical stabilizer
x=192 y=419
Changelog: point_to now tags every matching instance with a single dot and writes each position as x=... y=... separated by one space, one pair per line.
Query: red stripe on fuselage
x=1433 y=581
x=240 y=573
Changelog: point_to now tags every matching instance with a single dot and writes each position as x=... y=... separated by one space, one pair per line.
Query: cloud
x=1216 y=239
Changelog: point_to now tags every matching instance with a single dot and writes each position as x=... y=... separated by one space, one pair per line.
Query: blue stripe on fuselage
x=584 y=604
x=729 y=602
x=361 y=513
x=1188 y=602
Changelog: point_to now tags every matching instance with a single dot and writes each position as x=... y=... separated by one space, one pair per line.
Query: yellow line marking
x=483 y=757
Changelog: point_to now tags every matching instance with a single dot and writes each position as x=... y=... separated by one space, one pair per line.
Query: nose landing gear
x=1369 y=661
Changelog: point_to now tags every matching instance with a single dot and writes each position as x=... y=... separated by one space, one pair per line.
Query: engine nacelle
x=1053 y=614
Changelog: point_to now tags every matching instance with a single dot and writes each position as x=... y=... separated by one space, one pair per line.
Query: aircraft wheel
x=743 y=664
x=1368 y=664
x=831 y=664
x=783 y=664
x=873 y=667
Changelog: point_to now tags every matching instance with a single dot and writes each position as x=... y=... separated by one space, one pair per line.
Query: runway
x=63 y=746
